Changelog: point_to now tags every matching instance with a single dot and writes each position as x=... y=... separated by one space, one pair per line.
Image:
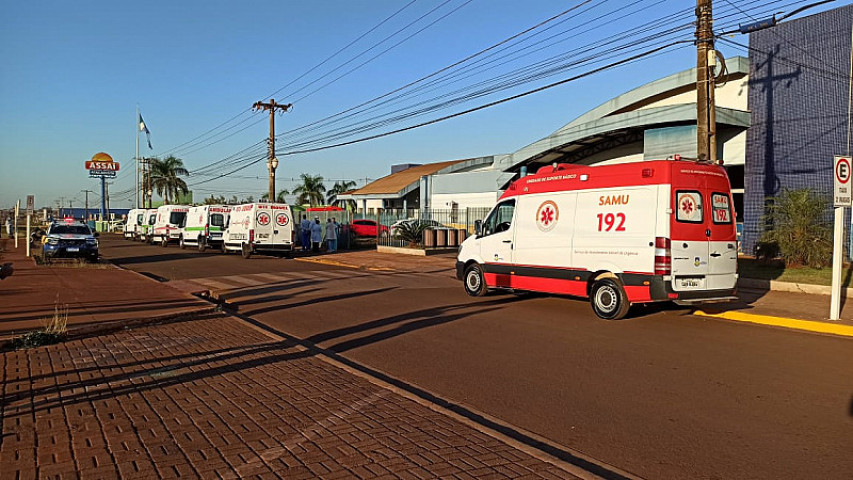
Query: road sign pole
x=27 y=240
x=17 y=209
x=837 y=254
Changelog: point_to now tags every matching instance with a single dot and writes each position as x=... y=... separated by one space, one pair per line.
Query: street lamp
x=272 y=164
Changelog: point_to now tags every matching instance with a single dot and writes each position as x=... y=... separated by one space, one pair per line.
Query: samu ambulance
x=167 y=227
x=619 y=235
x=259 y=228
x=204 y=226
x=133 y=225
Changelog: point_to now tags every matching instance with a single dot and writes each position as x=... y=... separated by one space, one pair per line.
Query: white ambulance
x=147 y=226
x=619 y=235
x=204 y=226
x=167 y=227
x=259 y=227
x=133 y=224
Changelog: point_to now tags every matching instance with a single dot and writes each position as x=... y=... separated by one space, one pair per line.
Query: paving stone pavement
x=215 y=397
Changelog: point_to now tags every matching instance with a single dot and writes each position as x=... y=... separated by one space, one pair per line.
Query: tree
x=311 y=191
x=214 y=200
x=165 y=179
x=339 y=188
x=278 y=198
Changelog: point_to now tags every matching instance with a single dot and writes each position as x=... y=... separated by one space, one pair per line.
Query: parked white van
x=133 y=224
x=204 y=227
x=170 y=221
x=259 y=227
x=618 y=234
x=147 y=226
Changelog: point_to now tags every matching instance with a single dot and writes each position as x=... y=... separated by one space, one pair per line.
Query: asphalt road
x=662 y=394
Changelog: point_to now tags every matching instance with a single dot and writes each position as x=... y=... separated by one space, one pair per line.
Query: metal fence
x=383 y=228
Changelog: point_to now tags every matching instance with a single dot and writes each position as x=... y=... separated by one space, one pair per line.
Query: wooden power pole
x=272 y=162
x=705 y=127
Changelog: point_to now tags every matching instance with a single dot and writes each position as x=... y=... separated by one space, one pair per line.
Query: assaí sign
x=102 y=165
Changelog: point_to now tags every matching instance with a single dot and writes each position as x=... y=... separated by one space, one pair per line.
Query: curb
x=776 y=286
x=335 y=263
x=788 y=323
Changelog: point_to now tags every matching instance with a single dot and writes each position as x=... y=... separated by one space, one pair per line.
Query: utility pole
x=87 y=192
x=705 y=128
x=272 y=163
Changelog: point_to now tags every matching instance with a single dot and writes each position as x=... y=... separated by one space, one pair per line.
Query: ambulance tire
x=164 y=242
x=201 y=244
x=181 y=243
x=246 y=250
x=223 y=249
x=608 y=299
x=475 y=283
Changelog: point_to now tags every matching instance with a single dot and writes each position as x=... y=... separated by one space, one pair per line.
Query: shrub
x=412 y=231
x=798 y=228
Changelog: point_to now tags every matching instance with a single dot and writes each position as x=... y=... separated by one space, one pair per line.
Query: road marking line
x=806 y=325
x=214 y=284
x=277 y=277
x=243 y=281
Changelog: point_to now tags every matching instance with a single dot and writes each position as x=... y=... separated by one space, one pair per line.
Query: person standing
x=332 y=235
x=305 y=231
x=9 y=226
x=316 y=234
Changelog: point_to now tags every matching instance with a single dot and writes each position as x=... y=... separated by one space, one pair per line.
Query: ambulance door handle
x=708 y=232
x=507 y=241
x=715 y=254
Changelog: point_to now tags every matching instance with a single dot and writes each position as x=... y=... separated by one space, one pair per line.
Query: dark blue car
x=70 y=240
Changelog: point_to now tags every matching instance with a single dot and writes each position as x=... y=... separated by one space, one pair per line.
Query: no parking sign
x=841 y=176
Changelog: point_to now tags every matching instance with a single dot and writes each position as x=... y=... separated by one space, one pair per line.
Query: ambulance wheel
x=181 y=243
x=223 y=249
x=164 y=242
x=201 y=244
x=246 y=250
x=475 y=284
x=608 y=299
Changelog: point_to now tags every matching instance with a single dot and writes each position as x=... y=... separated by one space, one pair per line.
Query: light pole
x=272 y=164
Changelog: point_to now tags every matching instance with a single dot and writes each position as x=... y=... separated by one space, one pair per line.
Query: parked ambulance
x=618 y=234
x=204 y=226
x=133 y=225
x=259 y=227
x=168 y=225
x=147 y=226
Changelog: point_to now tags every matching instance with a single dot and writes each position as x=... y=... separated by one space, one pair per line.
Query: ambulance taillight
x=663 y=256
x=252 y=236
x=207 y=230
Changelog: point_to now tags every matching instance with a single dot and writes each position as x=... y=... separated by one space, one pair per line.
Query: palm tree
x=278 y=198
x=164 y=177
x=311 y=191
x=340 y=187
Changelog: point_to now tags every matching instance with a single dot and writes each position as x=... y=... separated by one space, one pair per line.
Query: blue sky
x=74 y=73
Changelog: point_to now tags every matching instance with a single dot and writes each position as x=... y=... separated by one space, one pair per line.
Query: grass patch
x=54 y=330
x=777 y=270
x=101 y=264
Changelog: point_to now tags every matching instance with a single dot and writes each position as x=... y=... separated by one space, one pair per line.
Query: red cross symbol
x=547 y=216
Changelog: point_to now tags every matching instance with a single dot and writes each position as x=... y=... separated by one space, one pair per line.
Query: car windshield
x=177 y=218
x=71 y=229
x=217 y=219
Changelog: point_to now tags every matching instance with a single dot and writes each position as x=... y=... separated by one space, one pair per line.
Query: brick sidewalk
x=217 y=398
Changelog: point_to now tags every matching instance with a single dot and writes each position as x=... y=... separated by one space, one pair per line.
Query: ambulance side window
x=500 y=219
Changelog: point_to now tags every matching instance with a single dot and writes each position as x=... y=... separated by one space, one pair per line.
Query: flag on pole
x=144 y=128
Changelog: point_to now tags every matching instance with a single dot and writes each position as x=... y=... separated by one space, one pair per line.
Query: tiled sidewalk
x=216 y=398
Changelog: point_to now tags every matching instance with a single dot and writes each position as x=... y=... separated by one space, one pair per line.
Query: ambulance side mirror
x=478 y=227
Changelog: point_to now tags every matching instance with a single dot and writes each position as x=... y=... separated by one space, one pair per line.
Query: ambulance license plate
x=690 y=283
x=72 y=249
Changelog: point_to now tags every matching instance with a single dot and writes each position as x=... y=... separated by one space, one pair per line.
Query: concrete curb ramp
x=803 y=325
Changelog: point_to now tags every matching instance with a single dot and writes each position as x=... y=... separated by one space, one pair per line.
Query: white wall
x=464 y=200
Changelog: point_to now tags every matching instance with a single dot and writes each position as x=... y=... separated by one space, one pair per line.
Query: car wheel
x=608 y=299
x=475 y=283
x=181 y=243
x=201 y=244
x=246 y=250
x=93 y=258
